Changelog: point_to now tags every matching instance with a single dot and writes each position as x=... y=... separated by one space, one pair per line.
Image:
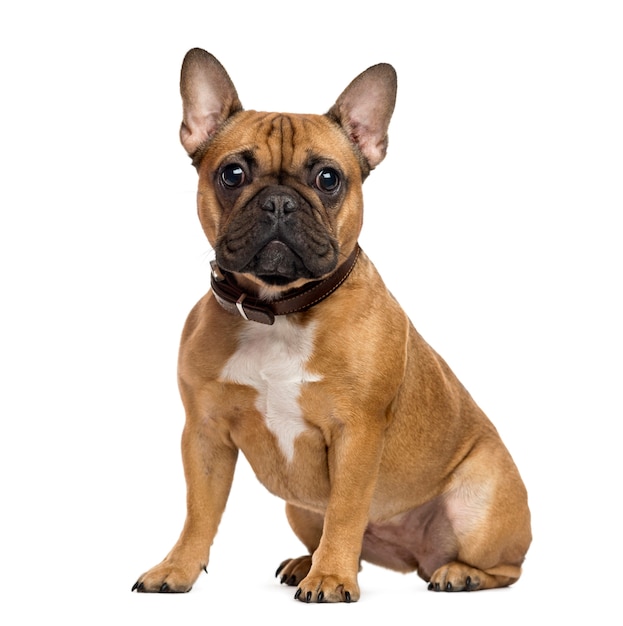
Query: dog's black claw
x=321 y=596
x=279 y=569
x=299 y=591
x=430 y=587
x=138 y=587
x=468 y=583
x=308 y=597
x=164 y=588
x=449 y=587
x=135 y=586
x=347 y=597
x=437 y=587
x=205 y=569
x=283 y=579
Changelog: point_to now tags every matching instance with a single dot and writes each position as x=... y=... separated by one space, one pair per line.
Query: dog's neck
x=238 y=302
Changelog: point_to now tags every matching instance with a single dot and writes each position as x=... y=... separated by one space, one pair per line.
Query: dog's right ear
x=208 y=97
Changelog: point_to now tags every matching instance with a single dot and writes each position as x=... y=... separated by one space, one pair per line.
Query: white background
x=495 y=220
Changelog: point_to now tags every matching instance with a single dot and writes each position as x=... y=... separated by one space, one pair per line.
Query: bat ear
x=365 y=108
x=208 y=97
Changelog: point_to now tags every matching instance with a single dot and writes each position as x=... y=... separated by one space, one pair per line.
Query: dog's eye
x=233 y=175
x=327 y=179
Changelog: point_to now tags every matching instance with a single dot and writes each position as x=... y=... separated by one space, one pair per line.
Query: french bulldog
x=301 y=358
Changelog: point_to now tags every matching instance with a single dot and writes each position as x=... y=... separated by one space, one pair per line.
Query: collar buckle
x=240 y=306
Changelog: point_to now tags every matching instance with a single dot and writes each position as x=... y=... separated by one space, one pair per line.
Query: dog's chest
x=273 y=360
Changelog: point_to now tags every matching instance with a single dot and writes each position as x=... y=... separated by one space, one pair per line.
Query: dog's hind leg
x=307 y=525
x=491 y=522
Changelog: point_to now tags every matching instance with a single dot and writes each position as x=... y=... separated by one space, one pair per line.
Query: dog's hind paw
x=292 y=571
x=457 y=576
x=468 y=585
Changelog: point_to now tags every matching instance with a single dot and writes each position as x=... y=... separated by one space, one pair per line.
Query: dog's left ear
x=209 y=98
x=365 y=108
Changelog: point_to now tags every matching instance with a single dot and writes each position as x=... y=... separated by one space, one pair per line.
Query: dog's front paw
x=327 y=588
x=168 y=577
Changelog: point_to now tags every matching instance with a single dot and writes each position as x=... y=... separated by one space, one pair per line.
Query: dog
x=300 y=357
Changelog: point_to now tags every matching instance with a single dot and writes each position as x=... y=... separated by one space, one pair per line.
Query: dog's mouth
x=277 y=264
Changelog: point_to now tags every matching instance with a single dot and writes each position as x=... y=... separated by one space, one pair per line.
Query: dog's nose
x=279 y=204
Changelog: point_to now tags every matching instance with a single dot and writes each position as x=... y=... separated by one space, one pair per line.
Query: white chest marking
x=272 y=360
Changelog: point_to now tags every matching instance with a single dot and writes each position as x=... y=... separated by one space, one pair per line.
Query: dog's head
x=280 y=194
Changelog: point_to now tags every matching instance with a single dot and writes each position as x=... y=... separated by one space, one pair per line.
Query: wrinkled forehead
x=282 y=141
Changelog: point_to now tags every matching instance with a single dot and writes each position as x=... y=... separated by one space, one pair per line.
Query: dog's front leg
x=209 y=464
x=354 y=458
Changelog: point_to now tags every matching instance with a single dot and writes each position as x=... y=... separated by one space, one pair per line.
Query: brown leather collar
x=236 y=301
